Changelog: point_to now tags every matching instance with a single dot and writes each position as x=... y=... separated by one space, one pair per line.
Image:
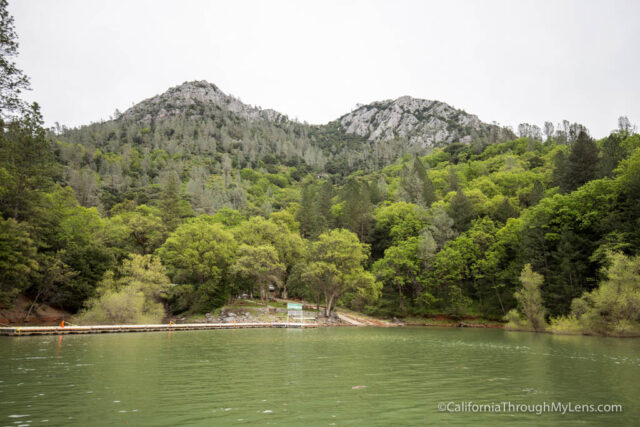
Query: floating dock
x=102 y=329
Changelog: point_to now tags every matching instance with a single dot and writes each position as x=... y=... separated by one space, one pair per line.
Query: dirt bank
x=41 y=315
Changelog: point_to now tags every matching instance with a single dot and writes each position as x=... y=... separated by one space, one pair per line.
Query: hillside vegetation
x=400 y=208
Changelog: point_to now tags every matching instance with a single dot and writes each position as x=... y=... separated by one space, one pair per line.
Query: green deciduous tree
x=395 y=222
x=336 y=267
x=199 y=252
x=259 y=264
x=131 y=295
x=142 y=229
x=530 y=299
x=400 y=269
x=289 y=245
x=614 y=307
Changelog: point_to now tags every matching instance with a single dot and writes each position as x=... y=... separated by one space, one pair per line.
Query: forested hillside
x=399 y=208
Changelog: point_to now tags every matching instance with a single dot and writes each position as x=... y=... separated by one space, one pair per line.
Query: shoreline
x=19 y=331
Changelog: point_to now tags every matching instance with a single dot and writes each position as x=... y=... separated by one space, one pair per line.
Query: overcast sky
x=506 y=61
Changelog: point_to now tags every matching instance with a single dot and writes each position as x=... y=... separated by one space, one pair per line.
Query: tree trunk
x=328 y=301
x=35 y=300
x=500 y=300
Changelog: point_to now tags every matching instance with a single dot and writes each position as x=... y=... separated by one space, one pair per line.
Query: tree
x=311 y=222
x=452 y=180
x=416 y=185
x=199 y=252
x=337 y=268
x=548 y=130
x=289 y=246
x=614 y=307
x=504 y=210
x=532 y=197
x=612 y=153
x=131 y=295
x=582 y=163
x=174 y=207
x=461 y=210
x=26 y=165
x=400 y=269
x=530 y=299
x=560 y=164
x=451 y=275
x=142 y=229
x=625 y=126
x=78 y=236
x=85 y=183
x=260 y=264
x=12 y=79
x=398 y=221
x=324 y=201
x=441 y=227
x=17 y=259
x=358 y=210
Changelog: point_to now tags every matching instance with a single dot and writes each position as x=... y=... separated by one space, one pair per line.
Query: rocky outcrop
x=194 y=99
x=419 y=121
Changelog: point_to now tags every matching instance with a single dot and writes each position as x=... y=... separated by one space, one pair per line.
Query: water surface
x=327 y=376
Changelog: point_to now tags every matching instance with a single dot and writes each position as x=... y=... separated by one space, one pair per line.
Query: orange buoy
x=62 y=324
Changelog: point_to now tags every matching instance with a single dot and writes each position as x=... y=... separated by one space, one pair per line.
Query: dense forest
x=133 y=219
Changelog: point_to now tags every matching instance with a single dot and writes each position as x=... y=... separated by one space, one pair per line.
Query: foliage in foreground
x=134 y=297
x=529 y=303
x=613 y=308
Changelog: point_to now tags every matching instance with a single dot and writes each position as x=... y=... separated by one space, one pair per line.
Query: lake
x=325 y=376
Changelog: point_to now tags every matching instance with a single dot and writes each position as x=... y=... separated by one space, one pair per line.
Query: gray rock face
x=420 y=121
x=195 y=98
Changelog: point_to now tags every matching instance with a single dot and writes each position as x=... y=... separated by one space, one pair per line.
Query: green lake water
x=307 y=377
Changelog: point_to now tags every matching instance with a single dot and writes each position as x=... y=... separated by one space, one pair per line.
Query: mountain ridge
x=193 y=94
x=423 y=123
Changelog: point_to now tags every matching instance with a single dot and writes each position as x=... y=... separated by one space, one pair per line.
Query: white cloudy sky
x=506 y=61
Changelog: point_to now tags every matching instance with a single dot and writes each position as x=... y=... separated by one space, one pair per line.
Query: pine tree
x=416 y=185
x=174 y=208
x=27 y=163
x=12 y=79
x=612 y=153
x=324 y=200
x=427 y=191
x=504 y=211
x=582 y=163
x=461 y=210
x=358 y=210
x=559 y=169
x=452 y=180
x=311 y=222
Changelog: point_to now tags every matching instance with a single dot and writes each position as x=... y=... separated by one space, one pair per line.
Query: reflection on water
x=333 y=376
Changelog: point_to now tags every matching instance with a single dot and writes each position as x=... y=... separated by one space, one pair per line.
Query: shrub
x=132 y=296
